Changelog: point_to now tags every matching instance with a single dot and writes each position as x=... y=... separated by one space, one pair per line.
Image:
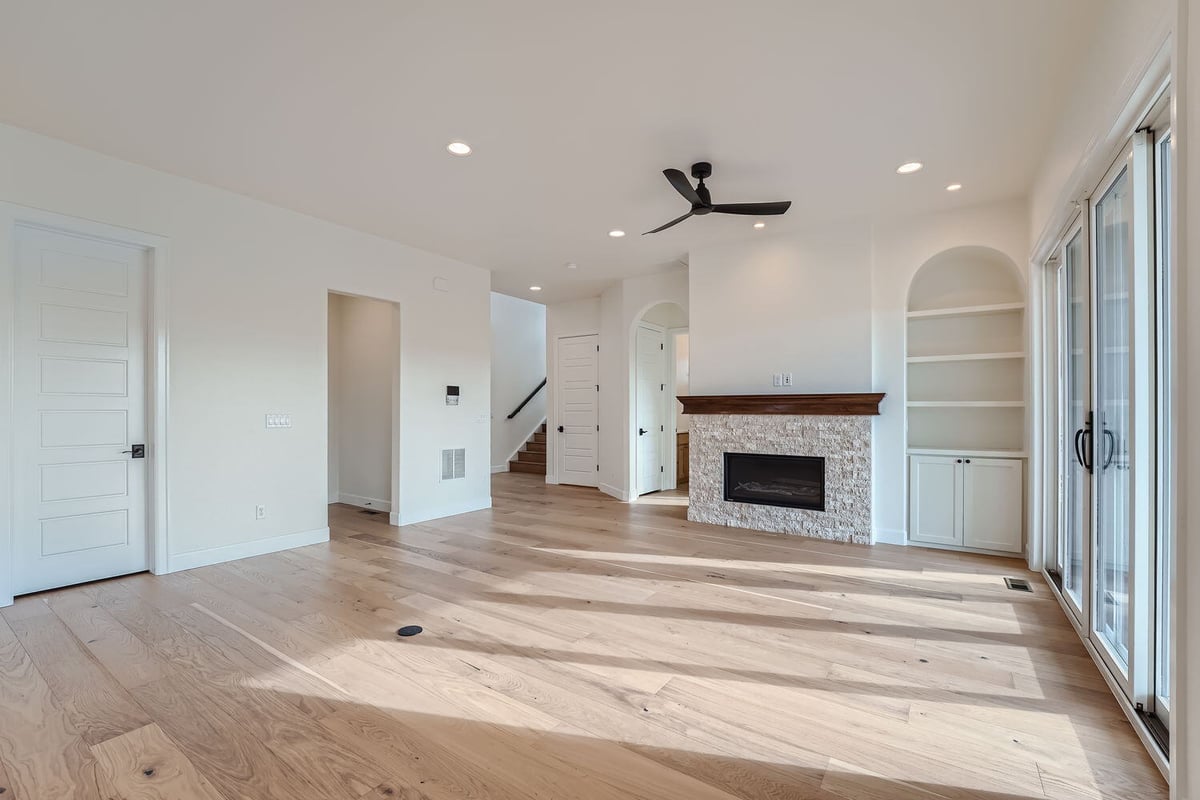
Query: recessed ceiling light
x=616 y=234
x=535 y=288
x=760 y=225
x=459 y=149
x=909 y=167
x=572 y=265
x=954 y=187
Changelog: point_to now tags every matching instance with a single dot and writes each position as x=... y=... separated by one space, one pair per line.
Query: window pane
x=1166 y=518
x=1111 y=424
x=1077 y=387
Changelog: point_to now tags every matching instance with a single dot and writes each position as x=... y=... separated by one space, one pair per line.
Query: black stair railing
x=525 y=402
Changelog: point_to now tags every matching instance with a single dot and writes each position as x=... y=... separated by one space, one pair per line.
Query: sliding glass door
x=1075 y=379
x=1112 y=553
x=1112 y=221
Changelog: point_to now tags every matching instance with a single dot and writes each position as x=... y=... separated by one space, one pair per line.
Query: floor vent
x=1018 y=584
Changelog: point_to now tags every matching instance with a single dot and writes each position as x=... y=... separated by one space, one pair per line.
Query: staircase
x=532 y=457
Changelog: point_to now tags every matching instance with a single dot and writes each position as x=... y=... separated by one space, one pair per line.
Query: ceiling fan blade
x=675 y=221
x=683 y=186
x=753 y=209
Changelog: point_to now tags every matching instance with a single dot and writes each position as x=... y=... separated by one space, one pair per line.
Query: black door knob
x=560 y=430
x=641 y=431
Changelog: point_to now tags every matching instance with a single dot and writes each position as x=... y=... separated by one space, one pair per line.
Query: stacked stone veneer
x=843 y=441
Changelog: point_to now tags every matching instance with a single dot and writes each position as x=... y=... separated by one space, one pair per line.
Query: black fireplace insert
x=775 y=480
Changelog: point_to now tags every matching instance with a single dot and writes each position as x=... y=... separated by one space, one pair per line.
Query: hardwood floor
x=574 y=647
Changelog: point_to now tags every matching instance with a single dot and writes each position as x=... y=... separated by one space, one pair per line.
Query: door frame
x=14 y=217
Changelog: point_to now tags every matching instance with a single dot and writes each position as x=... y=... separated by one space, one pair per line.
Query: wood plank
x=43 y=753
x=146 y=765
x=97 y=705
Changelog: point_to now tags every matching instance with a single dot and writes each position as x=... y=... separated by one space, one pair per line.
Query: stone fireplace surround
x=834 y=426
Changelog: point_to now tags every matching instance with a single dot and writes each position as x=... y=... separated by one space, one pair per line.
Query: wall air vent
x=454 y=464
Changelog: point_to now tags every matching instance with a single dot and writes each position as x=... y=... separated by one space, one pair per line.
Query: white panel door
x=935 y=499
x=992 y=507
x=578 y=410
x=79 y=402
x=649 y=427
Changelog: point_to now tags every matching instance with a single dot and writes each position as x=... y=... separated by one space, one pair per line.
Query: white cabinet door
x=935 y=499
x=992 y=504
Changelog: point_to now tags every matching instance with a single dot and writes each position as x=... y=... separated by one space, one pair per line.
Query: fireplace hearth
x=775 y=480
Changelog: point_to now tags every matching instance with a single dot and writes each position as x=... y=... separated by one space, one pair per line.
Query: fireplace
x=775 y=480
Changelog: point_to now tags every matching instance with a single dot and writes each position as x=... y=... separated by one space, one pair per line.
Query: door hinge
x=597 y=387
x=597 y=348
x=597 y=468
x=661 y=428
x=662 y=386
x=597 y=427
x=661 y=469
x=660 y=347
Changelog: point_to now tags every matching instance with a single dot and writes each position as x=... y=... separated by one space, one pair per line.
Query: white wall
x=572 y=318
x=247 y=286
x=362 y=364
x=797 y=303
x=518 y=365
x=1185 y=713
x=1126 y=34
x=682 y=385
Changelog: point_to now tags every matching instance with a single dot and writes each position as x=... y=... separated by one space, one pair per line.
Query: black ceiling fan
x=702 y=203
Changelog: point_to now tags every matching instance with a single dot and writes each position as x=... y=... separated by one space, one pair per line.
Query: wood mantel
x=828 y=404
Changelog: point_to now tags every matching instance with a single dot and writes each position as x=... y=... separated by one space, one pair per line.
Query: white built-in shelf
x=966 y=403
x=962 y=311
x=964 y=357
x=967 y=451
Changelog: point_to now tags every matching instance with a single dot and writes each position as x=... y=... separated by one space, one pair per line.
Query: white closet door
x=578 y=410
x=79 y=399
x=650 y=425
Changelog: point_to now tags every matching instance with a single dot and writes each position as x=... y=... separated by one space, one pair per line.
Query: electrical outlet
x=787 y=379
x=260 y=512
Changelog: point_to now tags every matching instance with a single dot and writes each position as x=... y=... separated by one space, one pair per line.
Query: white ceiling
x=343 y=110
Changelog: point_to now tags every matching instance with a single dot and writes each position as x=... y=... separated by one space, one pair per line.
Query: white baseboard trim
x=465 y=507
x=6 y=600
x=613 y=491
x=499 y=467
x=233 y=552
x=373 y=503
x=551 y=479
x=890 y=536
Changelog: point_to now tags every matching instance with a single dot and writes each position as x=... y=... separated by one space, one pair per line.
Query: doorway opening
x=363 y=362
x=659 y=433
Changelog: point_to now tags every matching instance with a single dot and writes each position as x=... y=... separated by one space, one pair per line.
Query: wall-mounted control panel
x=451 y=395
x=279 y=420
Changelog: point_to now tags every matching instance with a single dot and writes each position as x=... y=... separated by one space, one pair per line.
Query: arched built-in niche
x=965 y=401
x=966 y=354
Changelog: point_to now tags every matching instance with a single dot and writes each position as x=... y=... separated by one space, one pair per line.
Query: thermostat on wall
x=451 y=395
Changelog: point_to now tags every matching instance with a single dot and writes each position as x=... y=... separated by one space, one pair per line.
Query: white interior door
x=578 y=410
x=650 y=425
x=79 y=406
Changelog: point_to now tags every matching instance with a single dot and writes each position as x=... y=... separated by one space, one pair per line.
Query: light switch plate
x=279 y=420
